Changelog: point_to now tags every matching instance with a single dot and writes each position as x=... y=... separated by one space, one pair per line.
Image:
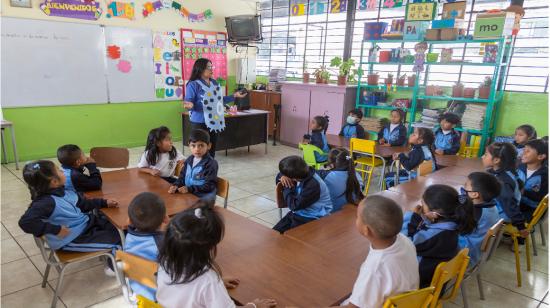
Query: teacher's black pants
x=213 y=136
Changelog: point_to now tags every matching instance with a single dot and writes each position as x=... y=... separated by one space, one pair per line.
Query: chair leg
x=518 y=267
x=464 y=296
x=528 y=252
x=280 y=213
x=534 y=244
x=58 y=286
x=542 y=234
x=46 y=273
x=480 y=286
x=225 y=203
x=4 y=153
x=14 y=145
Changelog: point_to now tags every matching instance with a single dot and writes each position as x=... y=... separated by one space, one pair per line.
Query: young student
x=447 y=140
x=160 y=157
x=318 y=138
x=533 y=171
x=422 y=141
x=147 y=219
x=199 y=174
x=188 y=275
x=343 y=182
x=435 y=225
x=62 y=215
x=500 y=159
x=304 y=192
x=390 y=266
x=353 y=129
x=524 y=133
x=482 y=188
x=394 y=133
x=73 y=161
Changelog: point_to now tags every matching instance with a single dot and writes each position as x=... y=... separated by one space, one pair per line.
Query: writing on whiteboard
x=35 y=36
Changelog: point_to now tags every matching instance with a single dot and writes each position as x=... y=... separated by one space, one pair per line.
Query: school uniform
x=486 y=216
x=308 y=200
x=62 y=207
x=336 y=181
x=417 y=155
x=519 y=149
x=200 y=177
x=164 y=164
x=319 y=139
x=534 y=189
x=353 y=131
x=448 y=141
x=509 y=198
x=77 y=180
x=205 y=291
x=394 y=134
x=145 y=245
x=435 y=243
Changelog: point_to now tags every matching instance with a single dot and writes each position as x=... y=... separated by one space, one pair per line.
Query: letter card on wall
x=167 y=65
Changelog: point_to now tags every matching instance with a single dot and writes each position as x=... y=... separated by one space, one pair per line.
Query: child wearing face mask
x=352 y=129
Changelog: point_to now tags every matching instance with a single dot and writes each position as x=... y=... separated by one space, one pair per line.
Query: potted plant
x=458 y=89
x=411 y=80
x=469 y=92
x=305 y=73
x=389 y=79
x=321 y=75
x=433 y=91
x=372 y=79
x=485 y=88
x=401 y=80
x=355 y=72
x=344 y=68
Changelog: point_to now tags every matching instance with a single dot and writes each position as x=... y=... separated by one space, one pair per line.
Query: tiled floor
x=251 y=176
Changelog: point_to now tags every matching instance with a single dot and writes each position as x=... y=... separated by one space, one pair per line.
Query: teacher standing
x=202 y=90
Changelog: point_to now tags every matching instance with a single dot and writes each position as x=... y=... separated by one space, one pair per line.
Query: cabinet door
x=273 y=98
x=258 y=100
x=294 y=114
x=325 y=102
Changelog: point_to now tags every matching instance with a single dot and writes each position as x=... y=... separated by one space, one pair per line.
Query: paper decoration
x=420 y=57
x=167 y=65
x=338 y=6
x=490 y=55
x=367 y=5
x=124 y=66
x=316 y=7
x=389 y=4
x=455 y=10
x=120 y=10
x=446 y=55
x=415 y=30
x=297 y=9
x=151 y=7
x=113 y=52
x=72 y=9
x=423 y=11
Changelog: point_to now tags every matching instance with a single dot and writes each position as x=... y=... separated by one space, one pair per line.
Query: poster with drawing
x=167 y=65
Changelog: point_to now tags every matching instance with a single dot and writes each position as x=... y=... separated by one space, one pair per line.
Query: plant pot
x=401 y=81
x=431 y=57
x=484 y=92
x=306 y=78
x=458 y=91
x=384 y=56
x=388 y=81
x=318 y=80
x=342 y=80
x=433 y=91
x=411 y=80
x=372 y=80
x=469 y=92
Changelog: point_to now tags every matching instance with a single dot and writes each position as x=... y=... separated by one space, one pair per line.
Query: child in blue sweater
x=73 y=161
x=147 y=215
x=482 y=188
x=447 y=140
x=533 y=171
x=394 y=133
x=305 y=193
x=353 y=129
x=318 y=138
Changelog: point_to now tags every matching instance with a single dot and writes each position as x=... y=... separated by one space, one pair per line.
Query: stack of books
x=372 y=124
x=473 y=116
x=429 y=118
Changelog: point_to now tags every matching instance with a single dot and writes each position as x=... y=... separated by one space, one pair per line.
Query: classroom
x=274 y=153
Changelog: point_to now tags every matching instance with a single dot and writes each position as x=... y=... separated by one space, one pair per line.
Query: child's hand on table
x=386 y=145
x=230 y=282
x=262 y=303
x=439 y=151
x=63 y=232
x=172 y=189
x=111 y=203
x=287 y=182
x=183 y=190
x=381 y=141
x=154 y=172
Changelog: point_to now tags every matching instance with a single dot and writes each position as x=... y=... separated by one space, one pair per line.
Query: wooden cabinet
x=302 y=102
x=264 y=100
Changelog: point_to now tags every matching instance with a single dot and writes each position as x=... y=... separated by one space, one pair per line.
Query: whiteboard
x=48 y=63
x=136 y=47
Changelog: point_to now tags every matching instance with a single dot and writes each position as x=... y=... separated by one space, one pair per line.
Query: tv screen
x=243 y=28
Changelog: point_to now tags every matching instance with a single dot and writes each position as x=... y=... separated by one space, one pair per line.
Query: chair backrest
x=447 y=271
x=144 y=302
x=413 y=299
x=425 y=168
x=309 y=151
x=137 y=268
x=279 y=196
x=539 y=212
x=362 y=146
x=471 y=147
x=223 y=188
x=179 y=166
x=490 y=241
x=107 y=157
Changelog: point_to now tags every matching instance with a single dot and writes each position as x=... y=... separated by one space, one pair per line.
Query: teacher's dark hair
x=198 y=68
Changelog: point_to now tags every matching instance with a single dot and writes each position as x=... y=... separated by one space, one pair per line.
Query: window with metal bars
x=291 y=41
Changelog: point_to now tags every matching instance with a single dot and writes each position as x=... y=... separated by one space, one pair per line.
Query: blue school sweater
x=396 y=137
x=310 y=197
x=353 y=131
x=509 y=198
x=200 y=180
x=336 y=182
x=449 y=143
x=77 y=180
x=535 y=187
x=486 y=215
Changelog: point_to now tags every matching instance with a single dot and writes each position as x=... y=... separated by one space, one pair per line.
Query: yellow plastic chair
x=469 y=149
x=144 y=302
x=413 y=299
x=362 y=153
x=309 y=151
x=514 y=234
x=141 y=270
x=452 y=270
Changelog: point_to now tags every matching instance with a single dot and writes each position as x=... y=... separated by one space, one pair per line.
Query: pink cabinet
x=301 y=102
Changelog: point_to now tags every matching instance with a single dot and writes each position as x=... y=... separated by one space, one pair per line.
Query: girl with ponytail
x=434 y=227
x=318 y=127
x=343 y=182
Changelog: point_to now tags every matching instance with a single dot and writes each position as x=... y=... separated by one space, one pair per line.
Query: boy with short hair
x=353 y=129
x=147 y=219
x=533 y=172
x=482 y=188
x=304 y=192
x=391 y=265
x=73 y=161
x=199 y=174
x=447 y=140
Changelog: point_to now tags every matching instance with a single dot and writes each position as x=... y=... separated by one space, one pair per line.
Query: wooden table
x=416 y=187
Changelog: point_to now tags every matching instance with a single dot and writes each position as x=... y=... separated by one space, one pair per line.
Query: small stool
x=7 y=124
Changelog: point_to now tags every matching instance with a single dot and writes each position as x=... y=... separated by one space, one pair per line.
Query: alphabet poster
x=167 y=65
